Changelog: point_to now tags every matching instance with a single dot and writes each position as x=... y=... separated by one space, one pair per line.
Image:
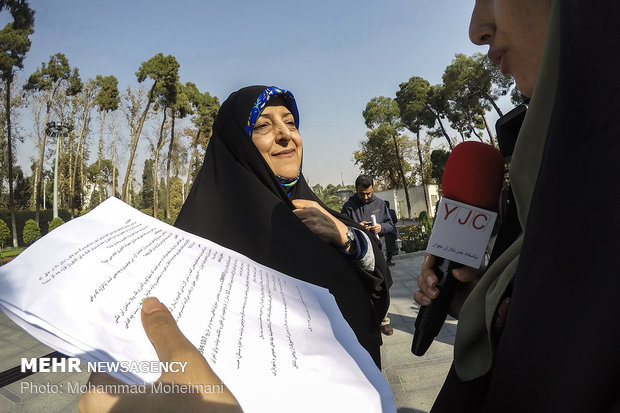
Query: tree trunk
x=70 y=170
x=82 y=177
x=160 y=144
x=55 y=207
x=491 y=139
x=10 y=158
x=99 y=156
x=39 y=168
x=402 y=176
x=426 y=200
x=193 y=159
x=134 y=145
x=113 y=160
x=473 y=130
x=497 y=109
x=130 y=190
x=79 y=155
x=169 y=160
x=443 y=129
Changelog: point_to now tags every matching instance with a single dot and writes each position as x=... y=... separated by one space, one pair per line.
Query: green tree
x=157 y=147
x=32 y=232
x=377 y=157
x=439 y=157
x=55 y=223
x=176 y=196
x=166 y=99
x=383 y=113
x=476 y=76
x=414 y=100
x=517 y=98
x=467 y=118
x=107 y=100
x=205 y=108
x=14 y=44
x=99 y=174
x=423 y=149
x=48 y=80
x=22 y=189
x=83 y=102
x=473 y=85
x=179 y=109
x=329 y=195
x=146 y=192
x=421 y=104
x=133 y=103
x=179 y=158
x=23 y=16
x=162 y=192
x=5 y=234
x=163 y=70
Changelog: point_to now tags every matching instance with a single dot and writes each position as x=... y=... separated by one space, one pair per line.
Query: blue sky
x=333 y=55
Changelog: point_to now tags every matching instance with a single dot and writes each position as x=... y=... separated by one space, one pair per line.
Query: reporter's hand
x=327 y=227
x=427 y=284
x=170 y=345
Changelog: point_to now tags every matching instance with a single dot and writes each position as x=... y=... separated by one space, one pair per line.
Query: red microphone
x=471 y=185
x=474 y=174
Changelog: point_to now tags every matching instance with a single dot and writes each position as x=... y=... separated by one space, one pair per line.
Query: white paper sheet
x=278 y=343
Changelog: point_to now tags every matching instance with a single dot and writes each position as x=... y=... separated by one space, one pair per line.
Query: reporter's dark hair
x=364 y=181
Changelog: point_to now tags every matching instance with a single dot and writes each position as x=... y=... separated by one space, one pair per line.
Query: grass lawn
x=11 y=252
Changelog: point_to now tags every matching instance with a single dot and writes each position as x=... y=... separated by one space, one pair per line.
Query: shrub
x=161 y=215
x=55 y=223
x=425 y=221
x=32 y=232
x=415 y=237
x=5 y=234
x=45 y=215
x=4 y=260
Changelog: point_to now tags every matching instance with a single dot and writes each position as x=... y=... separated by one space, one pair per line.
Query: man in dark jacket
x=371 y=212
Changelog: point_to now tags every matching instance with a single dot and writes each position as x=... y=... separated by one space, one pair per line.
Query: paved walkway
x=414 y=380
x=35 y=393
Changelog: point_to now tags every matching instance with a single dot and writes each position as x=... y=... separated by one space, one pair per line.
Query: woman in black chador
x=250 y=196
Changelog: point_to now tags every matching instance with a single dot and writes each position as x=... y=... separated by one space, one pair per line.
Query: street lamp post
x=57 y=129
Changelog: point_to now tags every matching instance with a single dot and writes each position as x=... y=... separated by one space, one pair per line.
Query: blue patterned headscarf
x=257 y=109
x=261 y=102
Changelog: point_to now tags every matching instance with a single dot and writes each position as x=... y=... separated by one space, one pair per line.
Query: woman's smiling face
x=278 y=140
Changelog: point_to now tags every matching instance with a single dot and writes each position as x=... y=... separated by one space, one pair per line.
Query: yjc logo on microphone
x=466 y=216
x=461 y=232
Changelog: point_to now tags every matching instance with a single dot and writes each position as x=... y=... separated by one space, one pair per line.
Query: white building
x=398 y=202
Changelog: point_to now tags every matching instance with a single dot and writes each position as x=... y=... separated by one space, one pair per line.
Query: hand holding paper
x=275 y=341
x=171 y=345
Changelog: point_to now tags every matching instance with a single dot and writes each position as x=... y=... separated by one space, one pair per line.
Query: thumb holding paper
x=171 y=346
